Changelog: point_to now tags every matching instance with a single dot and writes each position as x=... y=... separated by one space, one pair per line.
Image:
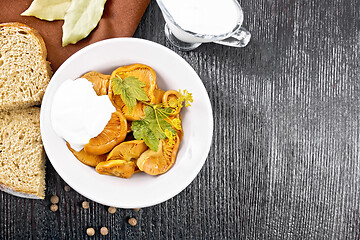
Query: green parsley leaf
x=152 y=128
x=130 y=90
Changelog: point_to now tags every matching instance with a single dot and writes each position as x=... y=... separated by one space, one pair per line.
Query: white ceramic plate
x=141 y=190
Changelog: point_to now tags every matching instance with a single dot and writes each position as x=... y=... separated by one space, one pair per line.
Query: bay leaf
x=80 y=19
x=48 y=9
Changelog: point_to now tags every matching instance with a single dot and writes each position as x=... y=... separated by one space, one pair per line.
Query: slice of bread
x=22 y=159
x=24 y=71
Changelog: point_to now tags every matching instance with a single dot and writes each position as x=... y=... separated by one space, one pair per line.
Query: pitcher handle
x=240 y=38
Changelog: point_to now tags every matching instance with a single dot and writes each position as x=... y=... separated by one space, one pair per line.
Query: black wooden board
x=285 y=157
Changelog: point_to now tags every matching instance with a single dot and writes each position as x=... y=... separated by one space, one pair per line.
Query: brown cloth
x=120 y=19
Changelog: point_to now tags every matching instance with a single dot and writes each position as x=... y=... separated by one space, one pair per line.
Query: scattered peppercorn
x=54 y=199
x=112 y=210
x=136 y=209
x=54 y=207
x=85 y=205
x=90 y=231
x=104 y=231
x=67 y=188
x=132 y=221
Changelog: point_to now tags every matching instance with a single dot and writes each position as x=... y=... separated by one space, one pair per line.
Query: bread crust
x=40 y=41
x=31 y=31
x=18 y=194
x=22 y=156
x=22 y=106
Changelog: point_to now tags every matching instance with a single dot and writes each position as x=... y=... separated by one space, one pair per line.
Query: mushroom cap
x=119 y=168
x=128 y=150
x=145 y=74
x=114 y=133
x=155 y=163
x=87 y=158
x=100 y=82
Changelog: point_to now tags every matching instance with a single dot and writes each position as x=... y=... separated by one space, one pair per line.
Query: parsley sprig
x=130 y=90
x=153 y=127
x=158 y=122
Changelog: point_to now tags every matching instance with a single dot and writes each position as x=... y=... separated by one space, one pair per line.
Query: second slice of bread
x=22 y=157
x=24 y=71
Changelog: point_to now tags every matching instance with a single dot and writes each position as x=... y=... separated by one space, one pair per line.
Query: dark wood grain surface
x=285 y=157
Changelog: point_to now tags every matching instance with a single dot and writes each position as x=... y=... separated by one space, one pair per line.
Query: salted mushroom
x=145 y=74
x=155 y=163
x=120 y=161
x=137 y=113
x=100 y=82
x=87 y=158
x=119 y=168
x=158 y=95
x=128 y=150
x=170 y=99
x=114 y=133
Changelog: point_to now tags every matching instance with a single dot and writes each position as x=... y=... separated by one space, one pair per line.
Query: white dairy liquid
x=211 y=17
x=78 y=114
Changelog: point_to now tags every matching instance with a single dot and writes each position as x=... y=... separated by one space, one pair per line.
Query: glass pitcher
x=187 y=40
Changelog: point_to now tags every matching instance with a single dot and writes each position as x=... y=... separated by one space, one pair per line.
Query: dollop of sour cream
x=78 y=113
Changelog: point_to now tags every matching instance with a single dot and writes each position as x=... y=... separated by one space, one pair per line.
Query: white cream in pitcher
x=78 y=113
x=211 y=17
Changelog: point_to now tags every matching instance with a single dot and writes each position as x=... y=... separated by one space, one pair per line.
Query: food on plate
x=170 y=100
x=22 y=159
x=80 y=16
x=127 y=150
x=24 y=71
x=114 y=133
x=87 y=158
x=79 y=114
x=143 y=133
x=158 y=95
x=121 y=161
x=119 y=168
x=100 y=82
x=125 y=79
x=24 y=76
x=155 y=163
